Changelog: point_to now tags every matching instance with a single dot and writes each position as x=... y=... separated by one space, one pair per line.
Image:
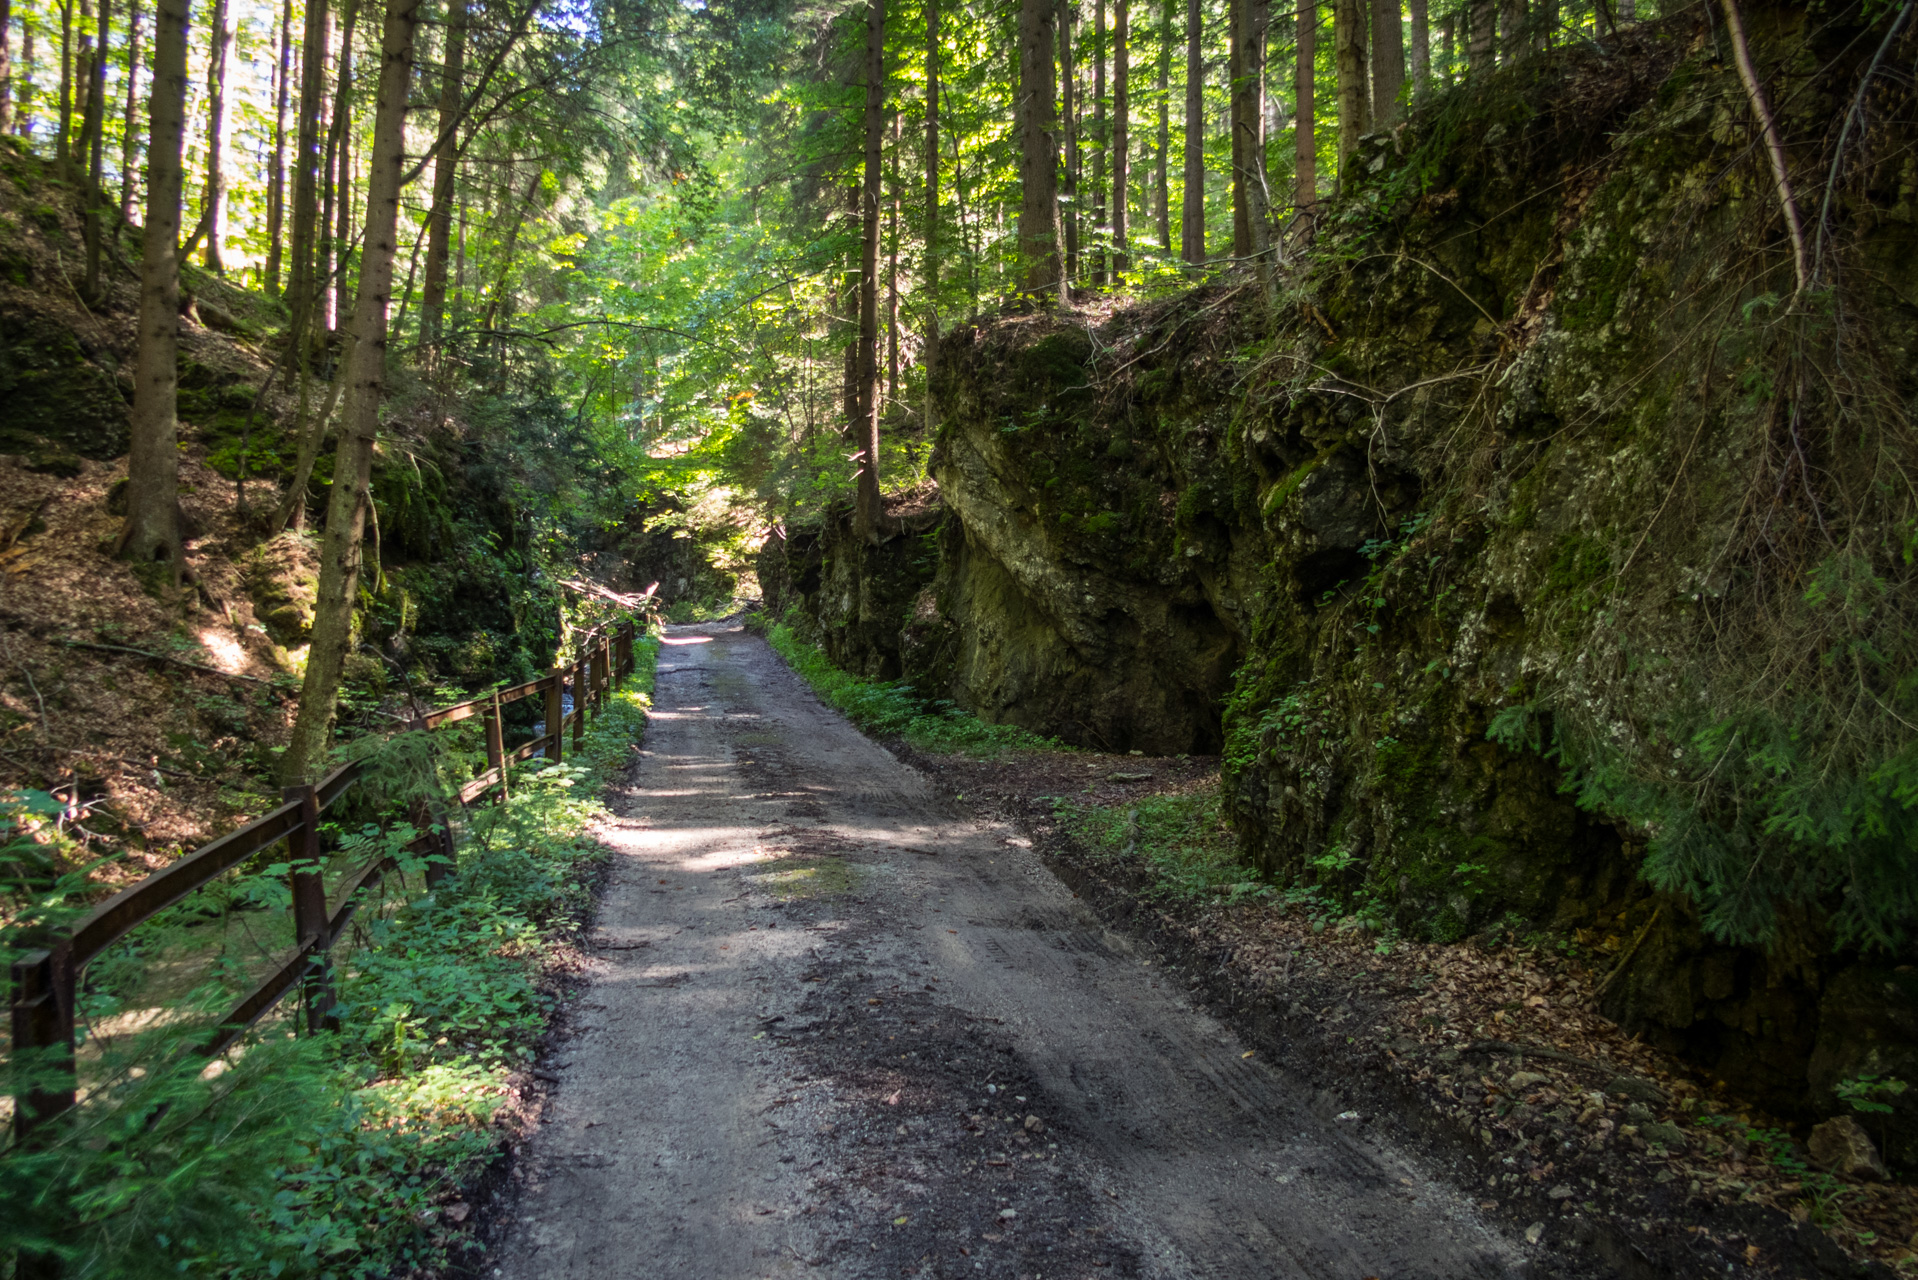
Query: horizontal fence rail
x=45 y=983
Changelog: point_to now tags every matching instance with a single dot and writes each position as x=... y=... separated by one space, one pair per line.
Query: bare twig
x=1774 y=145
x=1844 y=135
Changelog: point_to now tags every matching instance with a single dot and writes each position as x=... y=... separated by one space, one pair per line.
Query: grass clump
x=891 y=709
x=326 y=1156
x=1181 y=841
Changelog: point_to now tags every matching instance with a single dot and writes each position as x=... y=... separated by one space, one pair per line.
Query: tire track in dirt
x=836 y=1029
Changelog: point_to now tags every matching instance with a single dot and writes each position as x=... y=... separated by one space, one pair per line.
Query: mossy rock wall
x=1481 y=549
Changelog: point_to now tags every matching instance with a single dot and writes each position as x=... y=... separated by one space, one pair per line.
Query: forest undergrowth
x=343 y=1154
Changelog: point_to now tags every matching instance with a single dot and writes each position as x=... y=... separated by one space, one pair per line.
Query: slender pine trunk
x=1421 y=50
x=1161 y=169
x=152 y=532
x=930 y=356
x=93 y=222
x=439 y=221
x=1355 y=103
x=276 y=172
x=1482 y=43
x=1388 y=62
x=130 y=122
x=1121 y=141
x=1236 y=125
x=1101 y=144
x=868 y=512
x=6 y=65
x=343 y=169
x=341 y=548
x=1192 y=197
x=213 y=194
x=1305 y=143
x=62 y=143
x=1069 y=217
x=302 y=288
x=1038 y=154
x=892 y=268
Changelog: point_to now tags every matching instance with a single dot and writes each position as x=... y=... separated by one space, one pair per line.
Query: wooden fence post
x=308 y=879
x=43 y=1019
x=581 y=694
x=555 y=719
x=496 y=746
x=600 y=669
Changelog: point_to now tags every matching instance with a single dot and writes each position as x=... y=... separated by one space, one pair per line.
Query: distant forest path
x=836 y=1028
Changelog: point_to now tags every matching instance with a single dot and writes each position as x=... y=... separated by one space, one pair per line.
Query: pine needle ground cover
x=336 y=1155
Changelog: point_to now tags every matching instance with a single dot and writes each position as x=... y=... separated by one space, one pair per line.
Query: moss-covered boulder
x=58 y=400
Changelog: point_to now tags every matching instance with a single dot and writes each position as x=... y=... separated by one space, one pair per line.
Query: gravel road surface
x=835 y=1027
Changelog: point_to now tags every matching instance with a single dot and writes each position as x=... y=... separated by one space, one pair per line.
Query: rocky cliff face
x=1507 y=556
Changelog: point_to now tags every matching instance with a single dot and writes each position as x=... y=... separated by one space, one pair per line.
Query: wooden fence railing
x=45 y=982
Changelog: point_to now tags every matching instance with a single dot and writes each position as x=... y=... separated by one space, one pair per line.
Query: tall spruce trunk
x=1235 y=125
x=93 y=224
x=152 y=532
x=63 y=142
x=1388 y=62
x=213 y=194
x=342 y=243
x=1514 y=31
x=303 y=286
x=6 y=65
x=130 y=122
x=1101 y=142
x=1305 y=142
x=439 y=222
x=930 y=356
x=1161 y=178
x=1069 y=126
x=1482 y=17
x=1355 y=103
x=1121 y=140
x=341 y=547
x=1255 y=21
x=892 y=266
x=276 y=173
x=1038 y=154
x=1421 y=50
x=867 y=514
x=1192 y=197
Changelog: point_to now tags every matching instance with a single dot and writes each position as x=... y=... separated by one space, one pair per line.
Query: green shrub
x=893 y=710
x=318 y=1156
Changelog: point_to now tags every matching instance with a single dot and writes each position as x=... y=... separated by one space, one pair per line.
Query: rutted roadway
x=730 y=1104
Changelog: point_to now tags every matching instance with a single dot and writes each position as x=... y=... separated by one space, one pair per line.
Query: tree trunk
x=23 y=113
x=276 y=175
x=63 y=141
x=95 y=132
x=130 y=125
x=1421 y=51
x=439 y=222
x=930 y=355
x=1305 y=143
x=340 y=550
x=1514 y=36
x=343 y=297
x=6 y=65
x=1161 y=177
x=302 y=288
x=1038 y=152
x=1192 y=196
x=1482 y=18
x=867 y=514
x=1069 y=102
x=892 y=269
x=152 y=532
x=213 y=197
x=1348 y=46
x=1255 y=21
x=1235 y=125
x=1121 y=142
x=1388 y=62
x=1101 y=141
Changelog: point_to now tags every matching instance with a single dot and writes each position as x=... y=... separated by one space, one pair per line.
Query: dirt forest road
x=835 y=1028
